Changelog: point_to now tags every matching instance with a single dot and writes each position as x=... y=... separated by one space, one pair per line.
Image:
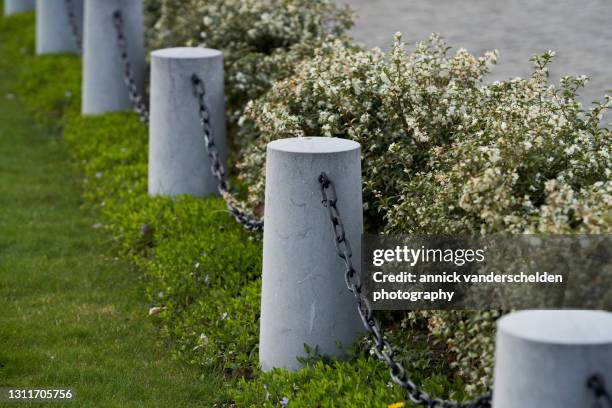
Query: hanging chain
x=383 y=349
x=136 y=97
x=603 y=399
x=74 y=26
x=217 y=168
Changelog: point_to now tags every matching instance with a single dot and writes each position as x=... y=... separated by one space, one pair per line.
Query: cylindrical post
x=543 y=359
x=304 y=296
x=104 y=89
x=178 y=160
x=54 y=33
x=18 y=6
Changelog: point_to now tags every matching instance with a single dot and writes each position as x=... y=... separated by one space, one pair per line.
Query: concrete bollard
x=104 y=89
x=543 y=359
x=304 y=296
x=18 y=6
x=54 y=34
x=178 y=160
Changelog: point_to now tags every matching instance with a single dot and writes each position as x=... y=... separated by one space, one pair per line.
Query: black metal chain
x=136 y=97
x=382 y=348
x=74 y=26
x=597 y=385
x=217 y=168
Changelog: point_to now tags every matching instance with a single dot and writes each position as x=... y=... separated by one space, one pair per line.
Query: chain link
x=74 y=26
x=136 y=97
x=216 y=167
x=382 y=348
x=597 y=385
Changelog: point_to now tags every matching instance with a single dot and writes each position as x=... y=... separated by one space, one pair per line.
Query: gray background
x=579 y=30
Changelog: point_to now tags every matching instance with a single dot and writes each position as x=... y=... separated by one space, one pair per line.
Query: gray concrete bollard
x=18 y=6
x=54 y=33
x=304 y=296
x=178 y=160
x=104 y=89
x=543 y=359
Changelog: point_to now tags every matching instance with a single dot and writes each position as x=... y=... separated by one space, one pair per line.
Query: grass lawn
x=72 y=314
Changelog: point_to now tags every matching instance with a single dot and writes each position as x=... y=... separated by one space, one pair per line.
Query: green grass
x=72 y=314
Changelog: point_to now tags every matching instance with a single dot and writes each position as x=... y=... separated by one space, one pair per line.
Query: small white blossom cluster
x=261 y=40
x=443 y=152
x=397 y=106
x=526 y=158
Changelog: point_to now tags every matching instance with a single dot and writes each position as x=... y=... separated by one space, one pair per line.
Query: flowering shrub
x=527 y=158
x=442 y=152
x=397 y=108
x=262 y=40
x=445 y=153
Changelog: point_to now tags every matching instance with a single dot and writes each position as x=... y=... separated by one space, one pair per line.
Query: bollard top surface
x=313 y=145
x=186 y=53
x=560 y=327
